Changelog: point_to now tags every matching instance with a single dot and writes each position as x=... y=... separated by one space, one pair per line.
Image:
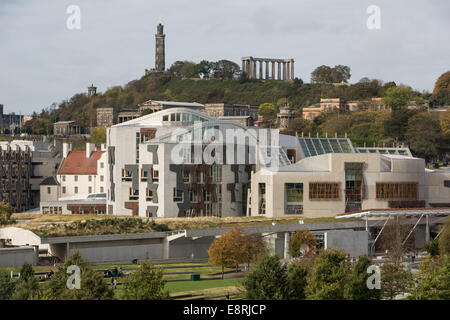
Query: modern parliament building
x=155 y=170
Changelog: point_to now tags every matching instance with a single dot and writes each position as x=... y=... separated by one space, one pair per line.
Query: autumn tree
x=146 y=284
x=225 y=251
x=441 y=91
x=5 y=213
x=252 y=248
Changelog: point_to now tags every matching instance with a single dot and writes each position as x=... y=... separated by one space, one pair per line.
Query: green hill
x=166 y=86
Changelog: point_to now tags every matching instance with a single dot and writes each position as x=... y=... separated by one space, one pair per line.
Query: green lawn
x=184 y=286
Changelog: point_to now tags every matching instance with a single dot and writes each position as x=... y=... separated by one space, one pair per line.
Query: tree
x=394 y=280
x=424 y=145
x=441 y=91
x=175 y=68
x=26 y=272
x=397 y=97
x=297 y=280
x=6 y=286
x=268 y=111
x=252 y=248
x=27 y=290
x=267 y=280
x=329 y=275
x=432 y=247
x=189 y=70
x=98 y=136
x=298 y=81
x=396 y=125
x=322 y=74
x=327 y=74
x=243 y=77
x=444 y=237
x=146 y=284
x=433 y=279
x=225 y=69
x=445 y=122
x=356 y=288
x=92 y=285
x=5 y=213
x=340 y=74
x=205 y=68
x=393 y=238
x=225 y=250
x=299 y=239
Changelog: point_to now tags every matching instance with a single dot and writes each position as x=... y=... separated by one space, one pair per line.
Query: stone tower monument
x=160 y=53
x=285 y=116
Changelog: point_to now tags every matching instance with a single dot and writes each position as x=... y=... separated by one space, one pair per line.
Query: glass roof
x=316 y=146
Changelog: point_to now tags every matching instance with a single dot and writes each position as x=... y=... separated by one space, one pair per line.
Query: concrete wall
x=16 y=257
x=119 y=250
x=355 y=243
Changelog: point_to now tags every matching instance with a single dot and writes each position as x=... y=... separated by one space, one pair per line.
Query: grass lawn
x=187 y=286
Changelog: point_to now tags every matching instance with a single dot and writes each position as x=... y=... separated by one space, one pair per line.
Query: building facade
x=82 y=172
x=335 y=104
x=144 y=178
x=217 y=110
x=106 y=117
x=66 y=128
x=332 y=177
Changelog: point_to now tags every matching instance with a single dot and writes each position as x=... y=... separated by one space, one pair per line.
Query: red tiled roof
x=77 y=163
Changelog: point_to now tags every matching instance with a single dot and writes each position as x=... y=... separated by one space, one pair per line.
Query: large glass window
x=294 y=198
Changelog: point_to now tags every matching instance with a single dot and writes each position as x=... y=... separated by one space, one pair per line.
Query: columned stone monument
x=285 y=68
x=160 y=63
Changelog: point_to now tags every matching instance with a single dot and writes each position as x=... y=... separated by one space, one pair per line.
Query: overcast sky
x=42 y=61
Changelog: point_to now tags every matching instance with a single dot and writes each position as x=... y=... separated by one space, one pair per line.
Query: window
x=134 y=194
x=76 y=178
x=397 y=190
x=49 y=190
x=177 y=195
x=102 y=165
x=262 y=198
x=102 y=189
x=63 y=178
x=148 y=195
x=323 y=191
x=102 y=178
x=155 y=175
x=126 y=175
x=166 y=118
x=76 y=190
x=89 y=189
x=90 y=178
x=63 y=189
x=294 y=198
x=186 y=176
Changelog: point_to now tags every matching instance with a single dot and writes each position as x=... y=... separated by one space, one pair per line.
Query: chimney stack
x=90 y=147
x=67 y=147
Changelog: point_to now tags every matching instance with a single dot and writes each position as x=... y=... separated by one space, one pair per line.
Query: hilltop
x=167 y=86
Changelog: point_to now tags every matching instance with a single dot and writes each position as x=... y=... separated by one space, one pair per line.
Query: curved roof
x=156 y=118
